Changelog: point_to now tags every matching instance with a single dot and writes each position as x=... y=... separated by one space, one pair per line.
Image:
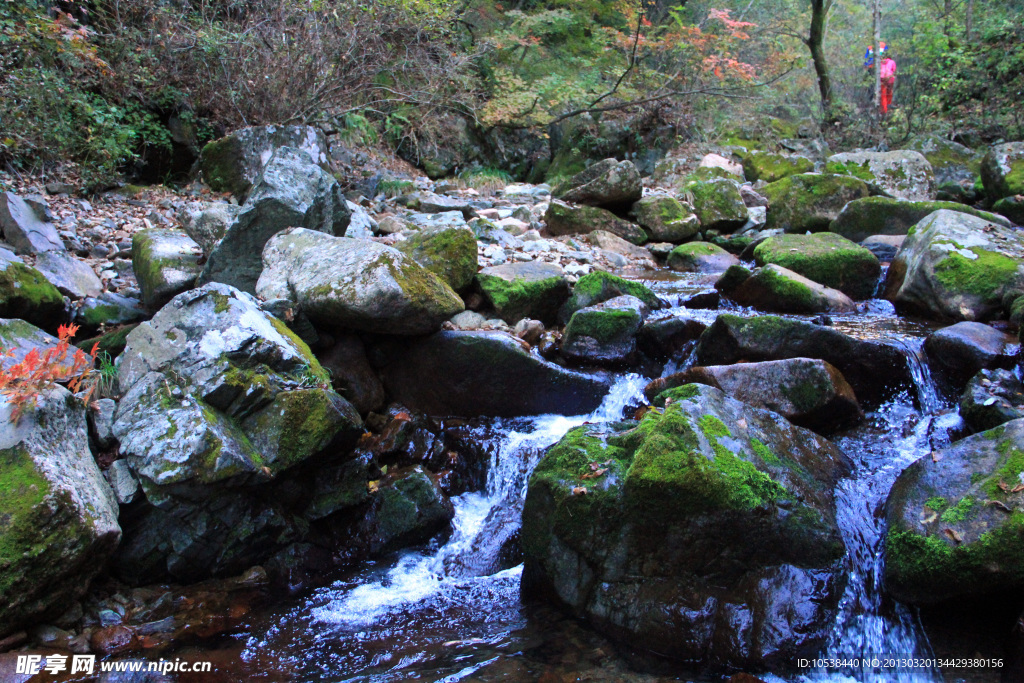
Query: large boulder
x=207 y=225
x=952 y=163
x=1002 y=170
x=482 y=373
x=809 y=202
x=876 y=371
x=26 y=293
x=607 y=183
x=956 y=353
x=666 y=219
x=991 y=398
x=23 y=229
x=953 y=266
x=902 y=173
x=862 y=218
x=700 y=257
x=605 y=333
x=166 y=263
x=339 y=282
x=593 y=288
x=291 y=192
x=955 y=526
x=705 y=533
x=220 y=399
x=72 y=277
x=1011 y=208
x=58 y=516
x=447 y=252
x=525 y=290
x=769 y=167
x=719 y=205
x=234 y=162
x=807 y=392
x=567 y=219
x=774 y=288
x=826 y=258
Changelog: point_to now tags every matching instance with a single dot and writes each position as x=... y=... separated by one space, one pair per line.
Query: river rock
x=807 y=392
x=884 y=247
x=774 y=288
x=668 y=337
x=809 y=202
x=456 y=373
x=605 y=334
x=956 y=353
x=953 y=266
x=291 y=192
x=1012 y=208
x=769 y=167
x=351 y=373
x=409 y=508
x=1002 y=170
x=109 y=309
x=593 y=288
x=58 y=517
x=889 y=216
x=207 y=226
x=340 y=282
x=951 y=162
x=607 y=183
x=713 y=512
x=700 y=257
x=991 y=398
x=901 y=173
x=166 y=263
x=26 y=294
x=23 y=229
x=72 y=278
x=666 y=219
x=876 y=371
x=447 y=252
x=525 y=290
x=955 y=522
x=18 y=338
x=825 y=258
x=567 y=219
x=234 y=162
x=719 y=205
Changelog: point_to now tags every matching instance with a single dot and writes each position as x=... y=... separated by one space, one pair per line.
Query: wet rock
x=607 y=183
x=608 y=242
x=525 y=290
x=719 y=205
x=809 y=393
x=351 y=374
x=825 y=258
x=666 y=219
x=1002 y=170
x=991 y=398
x=567 y=219
x=605 y=334
x=455 y=373
x=770 y=167
x=593 y=288
x=233 y=163
x=109 y=309
x=448 y=253
x=888 y=216
x=809 y=202
x=290 y=192
x=668 y=337
x=774 y=288
x=956 y=267
x=73 y=278
x=23 y=229
x=700 y=257
x=875 y=371
x=902 y=173
x=716 y=513
x=958 y=352
x=59 y=517
x=166 y=263
x=123 y=483
x=356 y=284
x=884 y=247
x=955 y=529
x=26 y=294
x=409 y=507
x=207 y=226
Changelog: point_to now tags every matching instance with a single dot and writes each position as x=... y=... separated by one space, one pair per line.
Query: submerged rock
x=716 y=513
x=827 y=259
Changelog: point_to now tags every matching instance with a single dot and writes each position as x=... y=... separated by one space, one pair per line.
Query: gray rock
x=109 y=308
x=606 y=333
x=700 y=257
x=809 y=202
x=778 y=289
x=166 y=262
x=956 y=353
x=450 y=253
x=903 y=173
x=351 y=374
x=991 y=398
x=666 y=219
x=719 y=205
x=360 y=225
x=73 y=278
x=207 y=226
x=410 y=507
x=18 y=338
x=23 y=230
x=887 y=216
x=525 y=290
x=607 y=183
x=122 y=482
x=951 y=162
x=1002 y=170
x=434 y=203
x=884 y=247
x=356 y=284
x=567 y=219
x=59 y=516
x=101 y=422
x=292 y=191
x=428 y=221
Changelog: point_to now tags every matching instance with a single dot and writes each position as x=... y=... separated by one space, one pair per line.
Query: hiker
x=888 y=76
x=869 y=56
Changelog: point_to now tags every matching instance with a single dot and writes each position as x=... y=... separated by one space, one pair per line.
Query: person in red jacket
x=888 y=74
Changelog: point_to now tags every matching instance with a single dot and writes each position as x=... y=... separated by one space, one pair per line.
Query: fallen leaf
x=935 y=456
x=929 y=518
x=954 y=535
x=579 y=491
x=1003 y=487
x=1018 y=488
x=741 y=423
x=999 y=505
x=372 y=486
x=595 y=474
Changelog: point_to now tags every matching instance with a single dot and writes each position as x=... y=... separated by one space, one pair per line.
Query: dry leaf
x=954 y=535
x=1003 y=487
x=1018 y=488
x=935 y=456
x=595 y=474
x=372 y=486
x=999 y=505
x=579 y=491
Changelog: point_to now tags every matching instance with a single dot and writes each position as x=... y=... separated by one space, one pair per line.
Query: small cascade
x=926 y=393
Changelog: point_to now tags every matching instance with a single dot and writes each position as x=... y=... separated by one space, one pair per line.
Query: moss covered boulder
x=1002 y=170
x=447 y=252
x=719 y=205
x=876 y=371
x=953 y=266
x=809 y=202
x=952 y=163
x=25 y=293
x=666 y=219
x=700 y=257
x=608 y=183
x=778 y=289
x=719 y=514
x=606 y=333
x=826 y=258
x=58 y=516
x=862 y=218
x=409 y=508
x=525 y=290
x=991 y=398
x=166 y=263
x=1012 y=208
x=901 y=173
x=593 y=288
x=955 y=525
x=769 y=167
x=340 y=282
x=568 y=219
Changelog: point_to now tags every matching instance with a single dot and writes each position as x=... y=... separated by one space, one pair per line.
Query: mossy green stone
x=593 y=288
x=26 y=294
x=826 y=258
x=449 y=253
x=521 y=298
x=809 y=202
x=770 y=167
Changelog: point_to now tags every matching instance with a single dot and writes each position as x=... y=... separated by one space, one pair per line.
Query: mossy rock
x=952 y=163
x=719 y=205
x=605 y=333
x=666 y=219
x=26 y=294
x=111 y=343
x=447 y=252
x=570 y=219
x=901 y=173
x=778 y=289
x=770 y=167
x=525 y=290
x=593 y=288
x=166 y=263
x=955 y=529
x=826 y=258
x=991 y=398
x=1002 y=171
x=863 y=218
x=1012 y=208
x=809 y=202
x=700 y=257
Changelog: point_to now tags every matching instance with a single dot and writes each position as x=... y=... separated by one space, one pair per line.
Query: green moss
x=302 y=346
x=1015 y=178
x=112 y=343
x=937 y=503
x=765 y=453
x=100 y=315
x=683 y=393
x=851 y=168
x=308 y=421
x=772 y=167
x=600 y=286
x=986 y=276
x=960 y=511
x=711 y=426
x=26 y=294
x=806 y=395
x=23 y=489
x=786 y=293
x=222 y=302
x=826 y=258
x=448 y=253
x=603 y=326
x=521 y=298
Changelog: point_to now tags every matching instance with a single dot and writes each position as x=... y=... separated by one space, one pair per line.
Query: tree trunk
x=815 y=43
x=969 y=20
